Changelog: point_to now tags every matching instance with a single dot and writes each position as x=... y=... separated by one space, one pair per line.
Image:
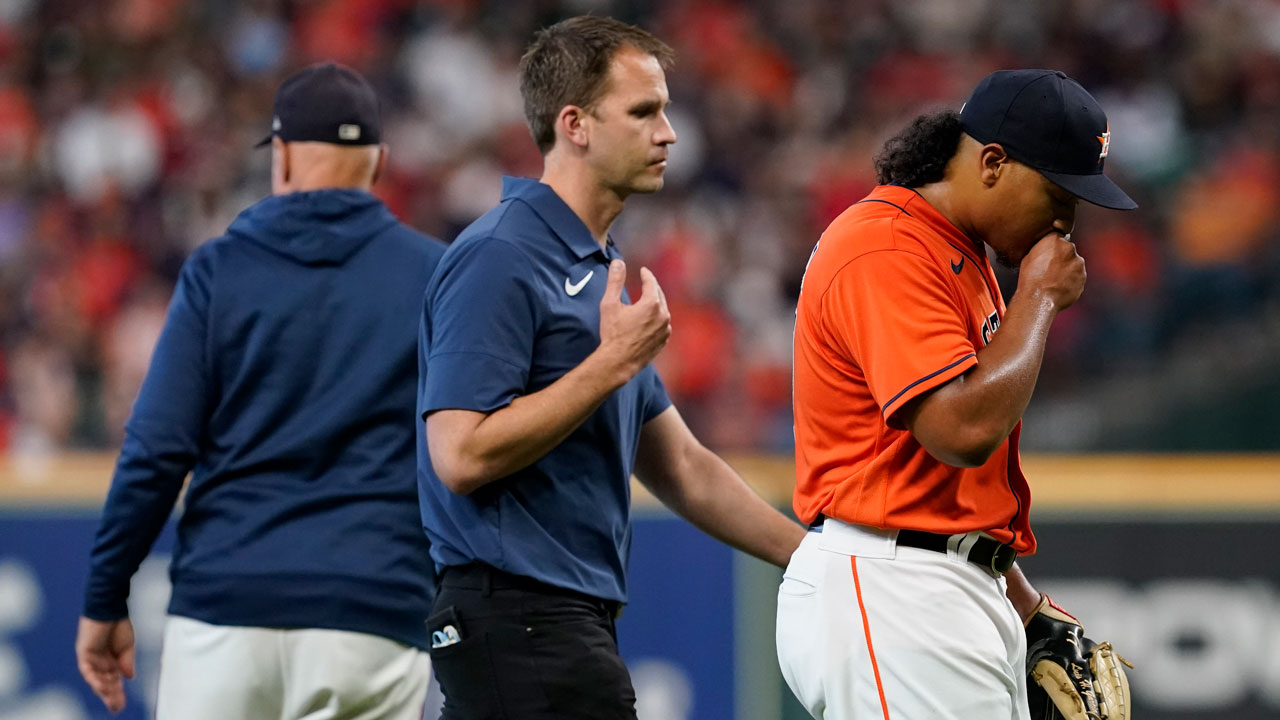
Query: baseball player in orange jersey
x=911 y=377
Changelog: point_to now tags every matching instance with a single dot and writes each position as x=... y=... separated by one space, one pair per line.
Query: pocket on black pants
x=581 y=672
x=465 y=673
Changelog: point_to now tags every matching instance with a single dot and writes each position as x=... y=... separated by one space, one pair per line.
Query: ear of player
x=1070 y=677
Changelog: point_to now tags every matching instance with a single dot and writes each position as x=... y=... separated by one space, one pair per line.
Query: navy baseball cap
x=1045 y=120
x=327 y=103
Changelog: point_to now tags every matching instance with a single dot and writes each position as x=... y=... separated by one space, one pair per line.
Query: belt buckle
x=1002 y=559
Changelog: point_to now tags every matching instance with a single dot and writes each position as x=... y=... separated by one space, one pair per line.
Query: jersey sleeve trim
x=885 y=411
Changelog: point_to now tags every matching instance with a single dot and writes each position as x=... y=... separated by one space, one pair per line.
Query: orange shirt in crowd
x=895 y=302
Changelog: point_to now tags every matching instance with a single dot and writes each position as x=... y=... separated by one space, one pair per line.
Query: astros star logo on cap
x=1046 y=120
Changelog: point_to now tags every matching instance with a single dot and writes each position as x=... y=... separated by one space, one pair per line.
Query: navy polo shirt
x=514 y=305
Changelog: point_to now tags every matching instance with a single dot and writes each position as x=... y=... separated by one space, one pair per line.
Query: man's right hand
x=104 y=654
x=1053 y=270
x=471 y=449
x=632 y=335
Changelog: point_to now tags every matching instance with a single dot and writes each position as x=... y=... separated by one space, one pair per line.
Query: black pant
x=528 y=651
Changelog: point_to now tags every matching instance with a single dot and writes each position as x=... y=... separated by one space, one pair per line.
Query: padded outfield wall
x=1173 y=558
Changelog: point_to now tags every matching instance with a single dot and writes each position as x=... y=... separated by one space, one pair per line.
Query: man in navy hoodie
x=284 y=382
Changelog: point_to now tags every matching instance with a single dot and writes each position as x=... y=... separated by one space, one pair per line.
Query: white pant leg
x=434 y=704
x=214 y=672
x=946 y=643
x=340 y=675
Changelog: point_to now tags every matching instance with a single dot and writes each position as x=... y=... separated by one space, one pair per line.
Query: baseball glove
x=1070 y=677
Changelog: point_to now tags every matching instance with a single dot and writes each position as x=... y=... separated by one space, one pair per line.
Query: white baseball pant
x=869 y=630
x=215 y=672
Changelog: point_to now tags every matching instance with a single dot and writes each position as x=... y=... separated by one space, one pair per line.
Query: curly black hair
x=919 y=154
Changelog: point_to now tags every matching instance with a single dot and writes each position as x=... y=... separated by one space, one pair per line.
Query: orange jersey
x=895 y=302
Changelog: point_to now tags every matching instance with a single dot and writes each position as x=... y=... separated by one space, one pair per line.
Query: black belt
x=486 y=578
x=991 y=554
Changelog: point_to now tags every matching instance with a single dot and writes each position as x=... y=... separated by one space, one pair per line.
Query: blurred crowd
x=127 y=131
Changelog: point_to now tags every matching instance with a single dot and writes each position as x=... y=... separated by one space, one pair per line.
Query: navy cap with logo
x=1047 y=121
x=327 y=103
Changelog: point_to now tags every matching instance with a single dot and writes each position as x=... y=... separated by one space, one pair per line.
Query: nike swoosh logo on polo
x=956 y=267
x=575 y=288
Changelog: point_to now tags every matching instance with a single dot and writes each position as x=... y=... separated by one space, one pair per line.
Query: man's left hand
x=1070 y=676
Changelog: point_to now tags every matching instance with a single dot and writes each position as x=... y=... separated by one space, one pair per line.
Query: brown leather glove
x=1070 y=677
